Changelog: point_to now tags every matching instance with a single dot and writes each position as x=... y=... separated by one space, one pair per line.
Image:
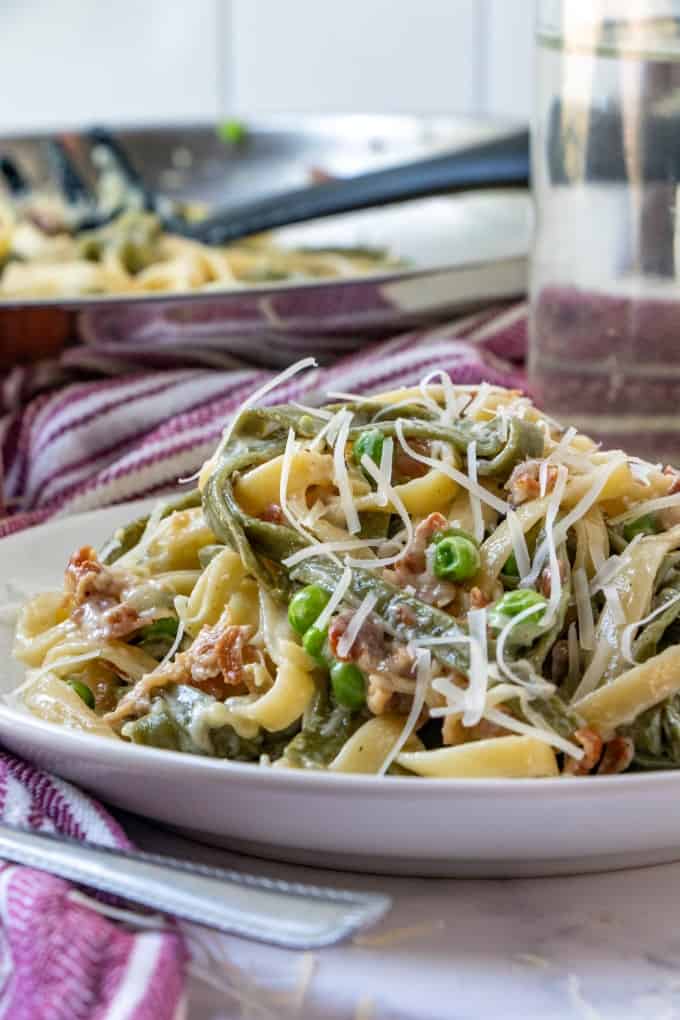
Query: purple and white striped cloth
x=59 y=958
x=112 y=422
x=91 y=430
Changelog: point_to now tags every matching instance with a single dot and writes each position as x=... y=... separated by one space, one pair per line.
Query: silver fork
x=292 y=915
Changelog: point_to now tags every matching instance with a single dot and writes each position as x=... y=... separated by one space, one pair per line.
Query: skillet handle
x=501 y=163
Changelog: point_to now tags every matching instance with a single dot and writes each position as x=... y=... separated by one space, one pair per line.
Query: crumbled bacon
x=95 y=591
x=413 y=561
x=369 y=642
x=675 y=479
x=478 y=599
x=618 y=754
x=215 y=663
x=524 y=484
x=105 y=619
x=591 y=742
x=273 y=514
x=412 y=570
x=405 y=466
x=86 y=577
x=382 y=665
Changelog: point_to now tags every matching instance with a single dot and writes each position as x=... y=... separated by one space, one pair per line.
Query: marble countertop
x=595 y=947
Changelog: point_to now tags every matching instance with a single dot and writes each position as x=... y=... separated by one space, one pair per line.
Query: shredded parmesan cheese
x=382 y=480
x=629 y=632
x=447 y=469
x=475 y=695
x=356 y=623
x=514 y=621
x=519 y=544
x=477 y=405
x=475 y=502
x=341 y=476
x=423 y=679
x=593 y=675
x=662 y=503
x=258 y=394
x=600 y=478
x=525 y=729
x=330 y=548
x=335 y=599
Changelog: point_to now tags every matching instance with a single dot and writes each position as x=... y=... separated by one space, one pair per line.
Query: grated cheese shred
x=335 y=599
x=423 y=678
x=356 y=623
x=475 y=502
x=447 y=469
x=341 y=476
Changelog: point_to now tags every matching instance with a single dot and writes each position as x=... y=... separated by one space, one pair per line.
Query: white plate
x=397 y=825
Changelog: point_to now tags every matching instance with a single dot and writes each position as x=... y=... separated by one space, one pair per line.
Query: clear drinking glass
x=605 y=289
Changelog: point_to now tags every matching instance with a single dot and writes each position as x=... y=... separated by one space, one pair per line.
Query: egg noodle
x=438 y=582
x=43 y=256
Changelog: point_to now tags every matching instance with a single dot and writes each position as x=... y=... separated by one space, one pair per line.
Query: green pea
x=349 y=685
x=82 y=690
x=453 y=533
x=515 y=602
x=645 y=525
x=314 y=643
x=456 y=558
x=306 y=606
x=369 y=444
x=510 y=568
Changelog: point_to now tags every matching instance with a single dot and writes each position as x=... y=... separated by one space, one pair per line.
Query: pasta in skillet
x=436 y=582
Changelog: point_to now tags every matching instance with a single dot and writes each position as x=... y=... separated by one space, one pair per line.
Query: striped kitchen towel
x=60 y=957
x=90 y=430
x=104 y=425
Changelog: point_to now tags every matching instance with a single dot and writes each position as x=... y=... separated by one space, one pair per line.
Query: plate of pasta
x=429 y=631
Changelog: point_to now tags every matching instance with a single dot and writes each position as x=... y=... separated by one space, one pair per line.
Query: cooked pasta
x=437 y=582
x=43 y=254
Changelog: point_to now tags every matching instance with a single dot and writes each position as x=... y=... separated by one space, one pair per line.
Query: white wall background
x=72 y=61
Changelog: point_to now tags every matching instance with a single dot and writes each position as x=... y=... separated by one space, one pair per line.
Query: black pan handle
x=501 y=163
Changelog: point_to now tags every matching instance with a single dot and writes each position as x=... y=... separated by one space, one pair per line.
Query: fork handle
x=287 y=914
x=501 y=163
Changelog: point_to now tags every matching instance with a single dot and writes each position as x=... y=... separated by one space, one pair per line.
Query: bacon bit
x=103 y=620
x=85 y=576
x=215 y=663
x=618 y=754
x=369 y=643
x=217 y=657
x=675 y=476
x=591 y=742
x=545 y=583
x=405 y=466
x=273 y=514
x=413 y=561
x=523 y=484
x=478 y=599
x=405 y=615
